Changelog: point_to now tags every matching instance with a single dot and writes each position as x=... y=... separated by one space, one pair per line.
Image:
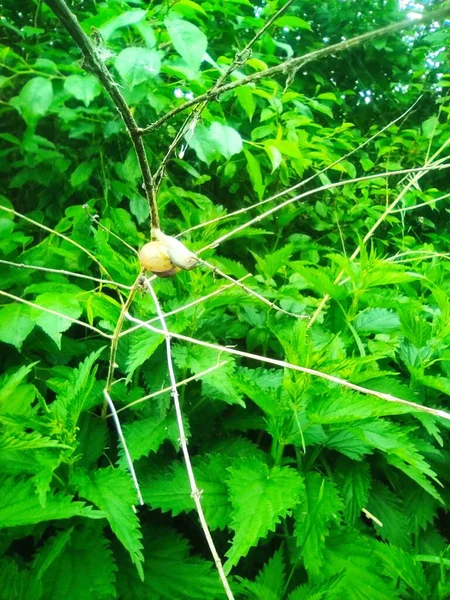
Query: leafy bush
x=318 y=445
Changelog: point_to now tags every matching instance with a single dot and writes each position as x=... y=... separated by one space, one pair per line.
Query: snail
x=165 y=255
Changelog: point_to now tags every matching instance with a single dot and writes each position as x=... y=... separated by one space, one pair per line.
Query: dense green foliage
x=311 y=490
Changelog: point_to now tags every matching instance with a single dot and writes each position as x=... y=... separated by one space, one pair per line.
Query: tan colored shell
x=154 y=257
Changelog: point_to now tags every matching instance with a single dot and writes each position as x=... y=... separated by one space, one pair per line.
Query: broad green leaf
x=147 y=435
x=170 y=571
x=17 y=321
x=399 y=564
x=388 y=509
x=62 y=303
x=227 y=140
x=84 y=569
x=188 y=40
x=319 y=506
x=136 y=65
x=377 y=320
x=34 y=99
x=261 y=497
x=170 y=491
x=217 y=385
x=269 y=583
x=254 y=171
x=19 y=505
x=81 y=174
x=130 y=17
x=292 y=23
x=113 y=492
x=246 y=100
x=84 y=88
x=354 y=484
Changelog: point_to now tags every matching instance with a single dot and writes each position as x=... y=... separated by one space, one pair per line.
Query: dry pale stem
x=195 y=492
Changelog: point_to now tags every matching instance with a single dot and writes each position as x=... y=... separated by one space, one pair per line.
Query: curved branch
x=292 y=64
x=93 y=62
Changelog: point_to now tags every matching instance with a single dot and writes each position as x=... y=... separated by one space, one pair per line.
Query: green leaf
x=430 y=127
x=84 y=88
x=147 y=435
x=19 y=505
x=63 y=303
x=292 y=23
x=377 y=320
x=85 y=569
x=254 y=171
x=17 y=321
x=217 y=140
x=400 y=564
x=261 y=497
x=188 y=40
x=226 y=139
x=354 y=483
x=170 y=491
x=246 y=100
x=217 y=385
x=81 y=174
x=319 y=505
x=34 y=99
x=113 y=492
x=129 y=17
x=269 y=583
x=388 y=509
x=136 y=65
x=18 y=584
x=170 y=571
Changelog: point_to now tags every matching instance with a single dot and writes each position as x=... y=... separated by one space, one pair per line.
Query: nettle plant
x=308 y=401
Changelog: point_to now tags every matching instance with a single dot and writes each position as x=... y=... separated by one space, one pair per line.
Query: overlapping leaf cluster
x=311 y=491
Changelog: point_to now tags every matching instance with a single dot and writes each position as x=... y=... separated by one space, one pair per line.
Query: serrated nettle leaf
x=377 y=320
x=113 y=492
x=188 y=40
x=136 y=65
x=318 y=507
x=261 y=498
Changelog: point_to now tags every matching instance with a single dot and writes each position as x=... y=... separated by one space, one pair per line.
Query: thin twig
x=411 y=183
x=55 y=313
x=190 y=122
x=421 y=205
x=251 y=292
x=116 y=420
x=195 y=492
x=94 y=63
x=94 y=219
x=115 y=339
x=168 y=389
x=64 y=272
x=304 y=181
x=328 y=186
x=61 y=235
x=295 y=63
x=189 y=305
x=281 y=363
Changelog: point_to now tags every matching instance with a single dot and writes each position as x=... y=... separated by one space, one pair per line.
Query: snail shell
x=154 y=257
x=177 y=252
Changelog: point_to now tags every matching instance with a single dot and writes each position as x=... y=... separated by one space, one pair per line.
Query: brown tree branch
x=293 y=64
x=93 y=62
